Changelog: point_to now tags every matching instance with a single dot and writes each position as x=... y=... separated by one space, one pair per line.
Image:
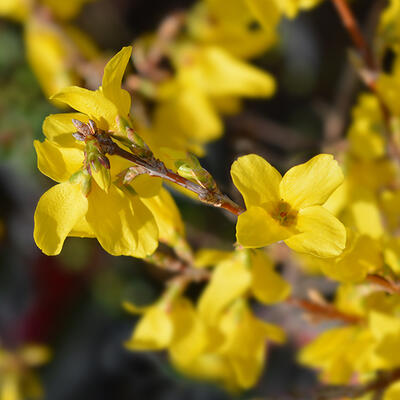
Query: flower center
x=285 y=214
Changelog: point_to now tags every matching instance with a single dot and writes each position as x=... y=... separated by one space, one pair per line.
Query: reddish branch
x=388 y=286
x=157 y=168
x=354 y=31
x=324 y=311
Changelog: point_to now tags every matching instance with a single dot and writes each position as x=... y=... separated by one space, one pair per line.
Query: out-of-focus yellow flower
x=185 y=116
x=366 y=133
x=388 y=86
x=245 y=271
x=392 y=392
x=17 y=380
x=389 y=25
x=385 y=330
x=20 y=10
x=235 y=349
x=168 y=324
x=292 y=7
x=122 y=223
x=245 y=342
x=361 y=256
x=391 y=254
x=289 y=208
x=338 y=353
x=54 y=51
x=390 y=203
x=245 y=28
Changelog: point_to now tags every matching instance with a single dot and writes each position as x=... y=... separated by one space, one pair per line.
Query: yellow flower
x=392 y=392
x=172 y=325
x=361 y=256
x=245 y=342
x=120 y=220
x=385 y=330
x=245 y=28
x=366 y=133
x=233 y=352
x=17 y=380
x=338 y=353
x=62 y=47
x=186 y=103
x=289 y=208
x=245 y=271
x=20 y=10
x=389 y=25
x=292 y=7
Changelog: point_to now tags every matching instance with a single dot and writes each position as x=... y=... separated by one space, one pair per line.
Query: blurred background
x=72 y=302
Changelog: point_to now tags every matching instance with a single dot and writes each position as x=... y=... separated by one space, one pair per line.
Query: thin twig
x=324 y=311
x=157 y=168
x=354 y=31
x=386 y=285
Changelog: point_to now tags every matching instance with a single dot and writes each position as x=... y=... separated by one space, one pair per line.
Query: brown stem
x=387 y=286
x=354 y=31
x=181 y=267
x=325 y=311
x=214 y=198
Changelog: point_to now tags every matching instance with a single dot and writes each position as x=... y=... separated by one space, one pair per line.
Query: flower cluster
x=339 y=219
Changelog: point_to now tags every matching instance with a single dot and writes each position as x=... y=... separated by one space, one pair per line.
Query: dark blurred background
x=72 y=302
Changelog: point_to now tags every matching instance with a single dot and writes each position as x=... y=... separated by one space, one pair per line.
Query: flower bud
x=191 y=169
x=82 y=178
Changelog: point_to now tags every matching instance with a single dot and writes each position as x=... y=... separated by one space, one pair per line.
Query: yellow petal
x=35 y=355
x=65 y=9
x=154 y=330
x=386 y=331
x=166 y=214
x=256 y=228
x=266 y=11
x=190 y=335
x=57 y=212
x=9 y=389
x=392 y=392
x=130 y=229
x=361 y=256
x=57 y=162
x=45 y=43
x=190 y=115
x=146 y=186
x=311 y=183
x=93 y=104
x=367 y=217
x=82 y=229
x=59 y=128
x=230 y=280
x=217 y=73
x=322 y=235
x=211 y=257
x=112 y=80
x=267 y=286
x=257 y=180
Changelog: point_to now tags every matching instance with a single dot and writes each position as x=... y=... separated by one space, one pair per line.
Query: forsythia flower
x=366 y=133
x=120 y=220
x=289 y=208
x=22 y=9
x=362 y=255
x=245 y=28
x=17 y=381
x=291 y=7
x=244 y=271
x=187 y=103
x=62 y=47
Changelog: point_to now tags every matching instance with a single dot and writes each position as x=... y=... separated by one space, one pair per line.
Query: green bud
x=193 y=170
x=82 y=178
